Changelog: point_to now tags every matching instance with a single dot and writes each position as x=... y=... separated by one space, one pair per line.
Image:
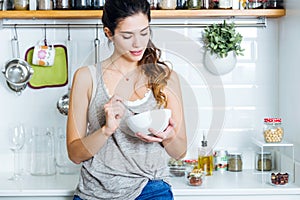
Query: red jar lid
x=272 y=120
x=190 y=161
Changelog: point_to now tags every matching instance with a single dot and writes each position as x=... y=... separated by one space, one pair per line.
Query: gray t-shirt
x=123 y=166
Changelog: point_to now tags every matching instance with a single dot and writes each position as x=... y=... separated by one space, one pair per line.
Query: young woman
x=116 y=164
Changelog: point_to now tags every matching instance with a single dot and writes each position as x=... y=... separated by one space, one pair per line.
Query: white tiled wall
x=289 y=70
x=231 y=107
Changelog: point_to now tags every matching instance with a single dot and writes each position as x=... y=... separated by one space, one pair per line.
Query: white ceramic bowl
x=156 y=119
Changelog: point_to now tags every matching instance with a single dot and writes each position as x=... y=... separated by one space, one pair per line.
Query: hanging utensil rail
x=239 y=22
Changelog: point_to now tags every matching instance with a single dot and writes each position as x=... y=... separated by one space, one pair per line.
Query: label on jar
x=221 y=160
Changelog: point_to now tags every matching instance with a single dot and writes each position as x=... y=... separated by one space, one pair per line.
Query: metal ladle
x=63 y=103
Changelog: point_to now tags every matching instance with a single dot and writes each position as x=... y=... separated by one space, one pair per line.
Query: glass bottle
x=205 y=157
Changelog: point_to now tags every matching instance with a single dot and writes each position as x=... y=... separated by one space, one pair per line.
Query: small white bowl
x=157 y=119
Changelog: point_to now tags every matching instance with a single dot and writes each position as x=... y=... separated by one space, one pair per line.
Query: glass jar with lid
x=21 y=4
x=225 y=4
x=62 y=4
x=263 y=161
x=275 y=4
x=273 y=131
x=235 y=163
x=194 y=4
x=257 y=4
x=168 y=4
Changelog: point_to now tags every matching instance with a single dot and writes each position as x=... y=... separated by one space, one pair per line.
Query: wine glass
x=16 y=138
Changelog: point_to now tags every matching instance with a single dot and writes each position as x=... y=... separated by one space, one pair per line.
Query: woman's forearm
x=176 y=146
x=83 y=149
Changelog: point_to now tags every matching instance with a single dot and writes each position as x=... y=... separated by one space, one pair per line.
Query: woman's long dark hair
x=157 y=71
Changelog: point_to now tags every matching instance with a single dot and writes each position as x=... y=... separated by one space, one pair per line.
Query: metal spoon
x=134 y=113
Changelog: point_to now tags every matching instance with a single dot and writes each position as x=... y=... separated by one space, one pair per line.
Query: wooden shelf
x=156 y=14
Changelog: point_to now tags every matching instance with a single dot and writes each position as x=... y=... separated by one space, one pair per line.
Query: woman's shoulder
x=174 y=75
x=82 y=72
x=82 y=76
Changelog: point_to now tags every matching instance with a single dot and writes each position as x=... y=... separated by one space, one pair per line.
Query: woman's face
x=131 y=37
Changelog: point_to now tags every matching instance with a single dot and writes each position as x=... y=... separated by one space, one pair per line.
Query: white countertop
x=227 y=183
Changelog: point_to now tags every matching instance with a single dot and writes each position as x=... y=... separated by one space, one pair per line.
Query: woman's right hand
x=114 y=111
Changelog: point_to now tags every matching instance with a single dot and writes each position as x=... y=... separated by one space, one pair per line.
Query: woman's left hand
x=158 y=136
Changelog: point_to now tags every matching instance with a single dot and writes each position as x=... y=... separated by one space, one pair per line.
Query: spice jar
x=257 y=4
x=263 y=161
x=62 y=4
x=194 y=4
x=235 y=163
x=21 y=4
x=168 y=4
x=273 y=132
x=225 y=4
x=45 y=4
x=275 y=4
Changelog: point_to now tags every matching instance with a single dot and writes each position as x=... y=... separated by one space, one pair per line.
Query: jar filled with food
x=62 y=4
x=21 y=4
x=168 y=4
x=45 y=4
x=271 y=4
x=176 y=167
x=190 y=164
x=235 y=163
x=194 y=4
x=194 y=178
x=263 y=161
x=257 y=4
x=225 y=4
x=273 y=131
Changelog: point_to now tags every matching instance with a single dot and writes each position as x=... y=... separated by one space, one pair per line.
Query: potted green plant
x=222 y=43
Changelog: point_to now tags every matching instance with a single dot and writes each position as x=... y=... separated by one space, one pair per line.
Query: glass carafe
x=42 y=152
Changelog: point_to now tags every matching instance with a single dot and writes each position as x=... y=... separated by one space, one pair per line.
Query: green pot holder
x=49 y=76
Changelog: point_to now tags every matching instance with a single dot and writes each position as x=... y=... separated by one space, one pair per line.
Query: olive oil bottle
x=205 y=157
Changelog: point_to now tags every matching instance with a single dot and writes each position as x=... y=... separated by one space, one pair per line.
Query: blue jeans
x=154 y=190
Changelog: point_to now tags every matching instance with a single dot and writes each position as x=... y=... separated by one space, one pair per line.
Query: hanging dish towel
x=54 y=76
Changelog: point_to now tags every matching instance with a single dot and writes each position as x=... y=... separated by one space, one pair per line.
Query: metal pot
x=17 y=73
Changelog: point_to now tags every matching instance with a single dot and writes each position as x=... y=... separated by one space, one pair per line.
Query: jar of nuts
x=273 y=132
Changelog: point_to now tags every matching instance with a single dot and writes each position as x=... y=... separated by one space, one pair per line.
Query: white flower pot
x=217 y=65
